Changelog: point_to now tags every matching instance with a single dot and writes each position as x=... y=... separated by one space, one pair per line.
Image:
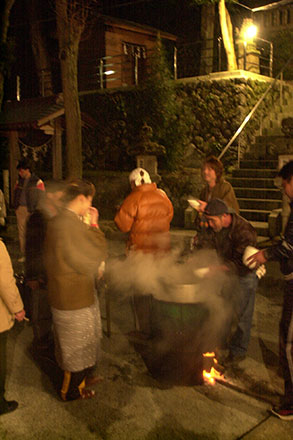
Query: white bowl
x=201 y=272
x=194 y=203
x=248 y=252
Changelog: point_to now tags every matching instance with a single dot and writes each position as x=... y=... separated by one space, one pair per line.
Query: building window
x=134 y=63
x=134 y=50
x=281 y=17
x=288 y=16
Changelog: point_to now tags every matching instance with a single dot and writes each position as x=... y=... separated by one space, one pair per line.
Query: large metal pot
x=183 y=293
x=174 y=352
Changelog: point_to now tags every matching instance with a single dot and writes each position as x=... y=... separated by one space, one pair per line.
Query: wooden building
x=116 y=53
x=274 y=17
x=34 y=125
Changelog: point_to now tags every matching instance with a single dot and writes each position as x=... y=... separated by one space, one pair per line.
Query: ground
x=130 y=404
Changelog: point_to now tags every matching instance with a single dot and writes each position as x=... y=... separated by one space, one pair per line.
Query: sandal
x=87 y=394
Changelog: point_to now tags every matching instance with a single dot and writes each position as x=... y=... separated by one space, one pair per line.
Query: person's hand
x=202 y=206
x=94 y=215
x=19 y=316
x=258 y=257
x=101 y=270
x=33 y=284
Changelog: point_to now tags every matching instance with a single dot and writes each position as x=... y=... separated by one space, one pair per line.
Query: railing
x=124 y=70
x=184 y=61
x=256 y=106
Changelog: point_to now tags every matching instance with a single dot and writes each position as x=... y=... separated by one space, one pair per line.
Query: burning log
x=210 y=372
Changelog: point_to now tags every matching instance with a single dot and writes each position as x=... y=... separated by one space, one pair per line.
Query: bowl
x=194 y=203
x=248 y=252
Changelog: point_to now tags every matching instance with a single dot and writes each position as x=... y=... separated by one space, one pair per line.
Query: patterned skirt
x=77 y=335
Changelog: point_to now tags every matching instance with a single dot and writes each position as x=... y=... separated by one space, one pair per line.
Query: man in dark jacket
x=27 y=194
x=231 y=236
x=283 y=252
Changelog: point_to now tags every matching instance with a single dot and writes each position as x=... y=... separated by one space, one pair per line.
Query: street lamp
x=250 y=32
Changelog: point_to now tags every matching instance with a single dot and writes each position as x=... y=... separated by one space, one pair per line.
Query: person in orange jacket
x=145 y=214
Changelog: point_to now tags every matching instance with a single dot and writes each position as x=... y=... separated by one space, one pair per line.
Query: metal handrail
x=251 y=113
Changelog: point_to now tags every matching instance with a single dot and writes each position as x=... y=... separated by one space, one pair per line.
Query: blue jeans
x=244 y=312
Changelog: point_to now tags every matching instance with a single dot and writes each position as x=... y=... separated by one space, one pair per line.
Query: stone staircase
x=272 y=122
x=271 y=140
x=259 y=199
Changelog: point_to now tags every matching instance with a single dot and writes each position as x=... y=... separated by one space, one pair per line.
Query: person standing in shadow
x=35 y=273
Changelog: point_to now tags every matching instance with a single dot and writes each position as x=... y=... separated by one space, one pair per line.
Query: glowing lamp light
x=109 y=72
x=250 y=32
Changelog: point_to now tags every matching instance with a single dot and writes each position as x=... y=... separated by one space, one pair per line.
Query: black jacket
x=283 y=250
x=34 y=246
x=231 y=242
x=33 y=192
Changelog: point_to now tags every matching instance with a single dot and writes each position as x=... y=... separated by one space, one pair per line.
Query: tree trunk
x=69 y=36
x=227 y=34
x=5 y=8
x=207 y=36
x=41 y=56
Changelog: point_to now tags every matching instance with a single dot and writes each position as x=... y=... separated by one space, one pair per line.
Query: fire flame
x=212 y=354
x=211 y=376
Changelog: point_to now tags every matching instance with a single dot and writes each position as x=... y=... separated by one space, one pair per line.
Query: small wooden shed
x=116 y=53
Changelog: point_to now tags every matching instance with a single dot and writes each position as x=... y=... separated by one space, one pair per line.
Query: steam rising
x=170 y=278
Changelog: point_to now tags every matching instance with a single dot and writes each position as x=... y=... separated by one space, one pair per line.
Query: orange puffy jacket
x=146 y=213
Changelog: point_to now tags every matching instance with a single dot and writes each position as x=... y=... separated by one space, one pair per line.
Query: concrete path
x=131 y=405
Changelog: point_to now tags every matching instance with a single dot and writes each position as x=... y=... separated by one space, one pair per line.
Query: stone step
x=257 y=193
x=279 y=112
x=286 y=108
x=261 y=215
x=254 y=173
x=262 y=204
x=270 y=146
x=259 y=140
x=262 y=228
x=272 y=131
x=257 y=182
x=254 y=163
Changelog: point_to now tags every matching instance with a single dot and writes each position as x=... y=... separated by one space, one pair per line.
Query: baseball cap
x=217 y=207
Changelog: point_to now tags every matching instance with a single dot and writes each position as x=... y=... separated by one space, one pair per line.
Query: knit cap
x=139 y=176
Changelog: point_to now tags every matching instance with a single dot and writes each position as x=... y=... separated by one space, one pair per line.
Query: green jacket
x=73 y=254
x=222 y=190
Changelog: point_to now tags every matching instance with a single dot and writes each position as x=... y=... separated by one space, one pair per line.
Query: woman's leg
x=3 y=340
x=73 y=386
